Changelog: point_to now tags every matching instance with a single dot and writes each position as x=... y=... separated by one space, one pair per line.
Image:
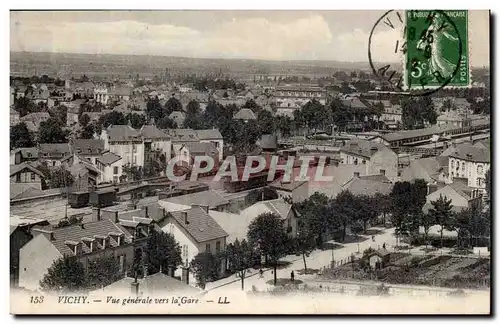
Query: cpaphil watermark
x=270 y=167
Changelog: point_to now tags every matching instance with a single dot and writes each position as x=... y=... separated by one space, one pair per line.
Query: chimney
x=82 y=226
x=185 y=217
x=116 y=219
x=146 y=215
x=96 y=214
x=185 y=275
x=454 y=144
x=445 y=145
x=48 y=234
x=373 y=150
x=204 y=207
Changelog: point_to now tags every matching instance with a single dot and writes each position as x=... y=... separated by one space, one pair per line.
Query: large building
x=471 y=163
x=126 y=142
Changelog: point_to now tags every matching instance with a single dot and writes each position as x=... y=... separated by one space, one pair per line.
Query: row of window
x=32 y=176
x=480 y=168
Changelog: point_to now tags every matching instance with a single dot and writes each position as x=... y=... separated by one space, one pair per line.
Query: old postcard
x=250 y=162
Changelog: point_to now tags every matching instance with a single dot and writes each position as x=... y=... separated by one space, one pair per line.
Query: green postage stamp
x=437 y=52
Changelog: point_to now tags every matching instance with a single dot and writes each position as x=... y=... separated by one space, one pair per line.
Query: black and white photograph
x=250 y=162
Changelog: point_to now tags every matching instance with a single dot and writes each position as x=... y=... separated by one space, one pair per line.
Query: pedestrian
x=261 y=273
x=292 y=276
x=383 y=246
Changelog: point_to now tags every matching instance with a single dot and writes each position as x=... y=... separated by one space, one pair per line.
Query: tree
x=51 y=131
x=448 y=105
x=252 y=105
x=172 y=104
x=240 y=257
x=205 y=268
x=162 y=252
x=340 y=114
x=84 y=120
x=426 y=220
x=342 y=212
x=88 y=132
x=266 y=122
x=383 y=204
x=267 y=234
x=193 y=108
x=66 y=274
x=113 y=118
x=103 y=271
x=154 y=109
x=166 y=123
x=60 y=178
x=305 y=242
x=20 y=136
x=61 y=113
x=442 y=213
x=136 y=120
x=367 y=210
x=313 y=215
x=314 y=114
x=24 y=106
x=401 y=201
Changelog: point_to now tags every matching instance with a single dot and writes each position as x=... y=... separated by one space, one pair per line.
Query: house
x=453 y=119
x=276 y=206
x=178 y=117
x=196 y=231
x=19 y=236
x=431 y=169
x=180 y=136
x=469 y=162
x=378 y=259
x=189 y=151
x=24 y=154
x=14 y=117
x=459 y=193
x=156 y=143
x=90 y=149
x=209 y=198
x=85 y=175
x=376 y=157
x=54 y=153
x=212 y=136
x=157 y=284
x=120 y=93
x=110 y=166
x=85 y=241
x=297 y=190
x=245 y=114
x=24 y=176
x=126 y=142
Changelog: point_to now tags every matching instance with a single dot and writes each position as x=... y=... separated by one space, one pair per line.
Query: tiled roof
x=201 y=148
x=288 y=186
x=245 y=114
x=55 y=148
x=152 y=132
x=275 y=206
x=88 y=146
x=363 y=148
x=268 y=141
x=471 y=153
x=15 y=168
x=201 y=226
x=122 y=133
x=208 y=134
x=27 y=152
x=76 y=233
x=183 y=135
x=208 y=198
x=375 y=177
x=359 y=186
x=108 y=158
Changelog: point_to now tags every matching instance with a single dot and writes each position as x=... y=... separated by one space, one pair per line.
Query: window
x=185 y=251
x=115 y=170
x=134 y=148
x=364 y=161
x=479 y=169
x=134 y=160
x=18 y=177
x=217 y=246
x=382 y=172
x=452 y=164
x=355 y=161
x=207 y=248
x=463 y=167
x=33 y=176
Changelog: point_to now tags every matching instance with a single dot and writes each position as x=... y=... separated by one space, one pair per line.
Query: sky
x=270 y=35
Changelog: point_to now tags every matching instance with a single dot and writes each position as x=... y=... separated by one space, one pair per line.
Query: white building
x=156 y=143
x=125 y=142
x=471 y=163
x=110 y=166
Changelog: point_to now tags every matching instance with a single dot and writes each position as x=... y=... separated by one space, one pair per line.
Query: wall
x=36 y=263
x=125 y=150
x=386 y=160
x=219 y=145
x=475 y=179
x=185 y=240
x=26 y=178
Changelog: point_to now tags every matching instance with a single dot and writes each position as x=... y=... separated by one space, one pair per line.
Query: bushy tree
x=66 y=274
x=20 y=136
x=102 y=272
x=267 y=235
x=205 y=268
x=442 y=213
x=240 y=257
x=51 y=131
x=162 y=252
